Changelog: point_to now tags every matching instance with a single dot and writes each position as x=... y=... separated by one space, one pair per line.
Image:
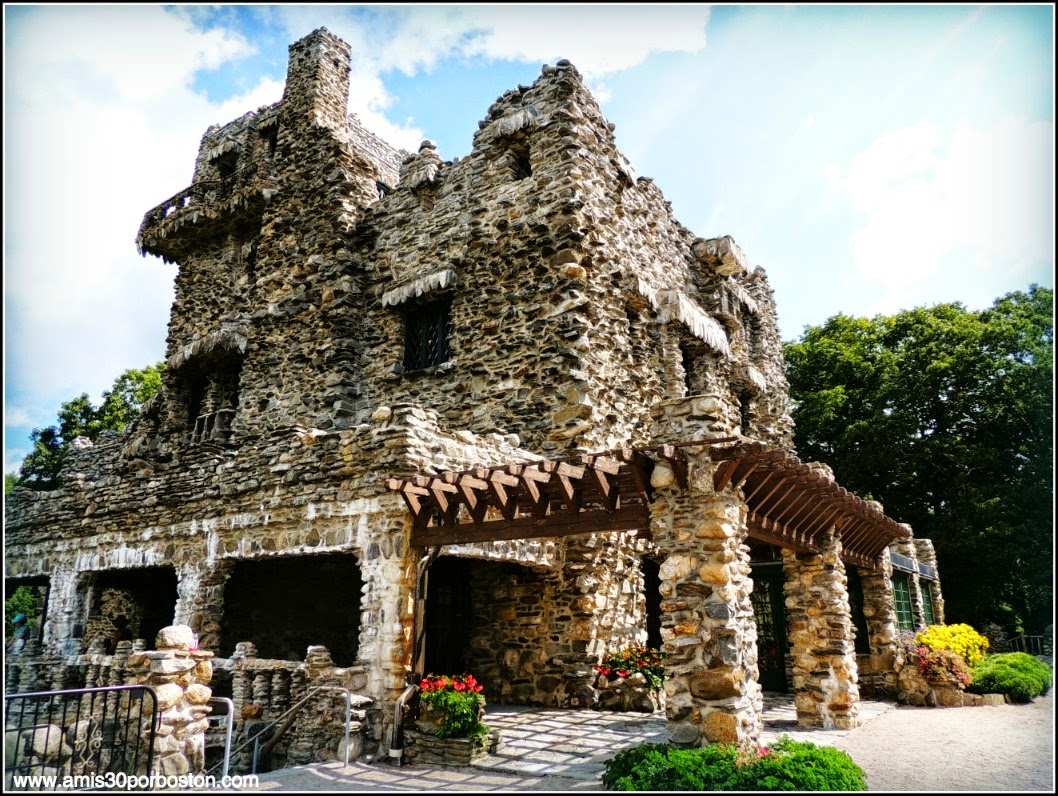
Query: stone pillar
x=878 y=609
x=708 y=630
x=63 y=626
x=822 y=638
x=200 y=599
x=598 y=603
x=179 y=676
x=928 y=556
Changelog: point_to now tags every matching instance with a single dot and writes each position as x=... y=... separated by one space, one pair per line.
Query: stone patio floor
x=543 y=749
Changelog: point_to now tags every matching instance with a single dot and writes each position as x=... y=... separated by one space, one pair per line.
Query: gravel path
x=1000 y=749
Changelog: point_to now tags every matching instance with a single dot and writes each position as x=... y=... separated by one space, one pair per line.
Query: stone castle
x=500 y=415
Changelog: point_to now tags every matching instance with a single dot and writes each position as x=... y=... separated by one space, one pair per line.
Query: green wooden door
x=769 y=608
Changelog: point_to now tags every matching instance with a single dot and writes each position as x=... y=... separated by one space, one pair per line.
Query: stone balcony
x=204 y=209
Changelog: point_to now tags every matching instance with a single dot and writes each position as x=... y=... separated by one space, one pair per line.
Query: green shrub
x=1019 y=676
x=788 y=765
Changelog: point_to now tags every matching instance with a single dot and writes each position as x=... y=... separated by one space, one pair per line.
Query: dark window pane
x=426 y=338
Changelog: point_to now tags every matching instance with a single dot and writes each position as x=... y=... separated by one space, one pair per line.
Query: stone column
x=709 y=634
x=63 y=628
x=880 y=613
x=179 y=676
x=822 y=638
x=200 y=600
x=928 y=556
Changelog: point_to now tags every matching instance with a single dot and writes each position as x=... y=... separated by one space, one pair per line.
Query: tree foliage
x=945 y=416
x=121 y=405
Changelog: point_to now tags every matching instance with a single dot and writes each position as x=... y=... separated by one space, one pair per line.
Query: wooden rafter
x=789 y=503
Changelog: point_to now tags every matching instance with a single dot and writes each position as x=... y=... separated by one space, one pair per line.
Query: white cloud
x=100 y=122
x=928 y=196
x=599 y=40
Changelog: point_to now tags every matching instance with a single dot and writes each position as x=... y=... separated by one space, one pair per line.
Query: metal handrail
x=228 y=730
x=288 y=719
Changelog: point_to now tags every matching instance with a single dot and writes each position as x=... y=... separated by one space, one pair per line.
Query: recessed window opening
x=426 y=331
x=285 y=605
x=213 y=398
x=518 y=161
x=270 y=136
x=687 y=360
x=745 y=402
x=928 y=608
x=142 y=601
x=226 y=164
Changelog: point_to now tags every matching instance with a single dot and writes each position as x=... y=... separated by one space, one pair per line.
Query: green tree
x=945 y=416
x=121 y=405
x=22 y=601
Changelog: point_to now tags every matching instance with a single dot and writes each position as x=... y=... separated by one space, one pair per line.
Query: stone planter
x=431 y=719
x=426 y=747
x=421 y=745
x=628 y=694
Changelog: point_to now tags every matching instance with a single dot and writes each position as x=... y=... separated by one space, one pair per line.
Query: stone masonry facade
x=348 y=313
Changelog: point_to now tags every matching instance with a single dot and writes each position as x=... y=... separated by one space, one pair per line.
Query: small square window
x=426 y=331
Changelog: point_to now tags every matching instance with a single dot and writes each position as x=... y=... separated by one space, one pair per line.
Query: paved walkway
x=543 y=749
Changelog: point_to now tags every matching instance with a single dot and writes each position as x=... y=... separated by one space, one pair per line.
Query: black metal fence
x=89 y=735
x=1033 y=645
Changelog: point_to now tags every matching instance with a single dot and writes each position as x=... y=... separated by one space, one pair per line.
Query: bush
x=1016 y=674
x=942 y=666
x=788 y=765
x=963 y=640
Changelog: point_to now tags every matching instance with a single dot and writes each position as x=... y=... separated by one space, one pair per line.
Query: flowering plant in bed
x=635 y=659
x=454 y=704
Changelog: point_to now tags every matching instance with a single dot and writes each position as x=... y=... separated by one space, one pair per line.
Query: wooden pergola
x=790 y=503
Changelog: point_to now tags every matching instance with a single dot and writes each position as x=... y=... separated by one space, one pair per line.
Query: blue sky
x=870 y=158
